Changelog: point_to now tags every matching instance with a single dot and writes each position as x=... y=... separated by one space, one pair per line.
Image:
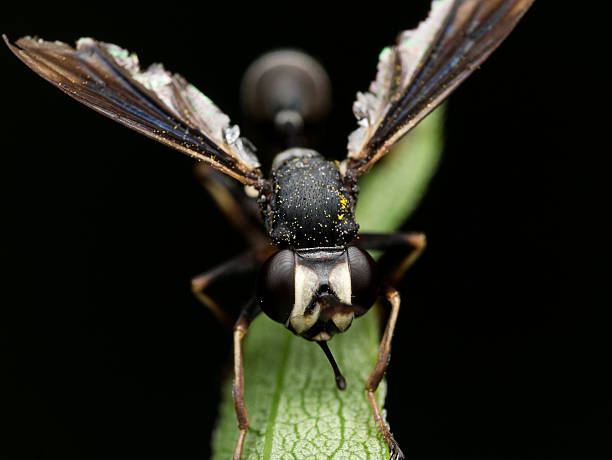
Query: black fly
x=317 y=277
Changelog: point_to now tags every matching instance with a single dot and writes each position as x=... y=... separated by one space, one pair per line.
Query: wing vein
x=153 y=102
x=435 y=58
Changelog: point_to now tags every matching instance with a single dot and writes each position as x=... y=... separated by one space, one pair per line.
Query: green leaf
x=295 y=409
x=394 y=188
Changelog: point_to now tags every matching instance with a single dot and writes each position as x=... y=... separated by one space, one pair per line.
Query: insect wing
x=154 y=102
x=422 y=69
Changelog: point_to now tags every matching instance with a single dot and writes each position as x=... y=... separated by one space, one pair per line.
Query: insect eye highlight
x=276 y=285
x=364 y=277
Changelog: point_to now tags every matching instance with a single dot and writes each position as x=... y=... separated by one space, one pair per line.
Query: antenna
x=339 y=377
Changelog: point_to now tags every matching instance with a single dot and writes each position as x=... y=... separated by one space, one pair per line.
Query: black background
x=500 y=352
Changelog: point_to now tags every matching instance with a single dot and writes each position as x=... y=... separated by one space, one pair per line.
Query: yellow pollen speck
x=343 y=202
x=340 y=216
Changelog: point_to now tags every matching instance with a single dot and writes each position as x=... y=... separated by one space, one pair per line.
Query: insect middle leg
x=414 y=241
x=240 y=329
x=246 y=262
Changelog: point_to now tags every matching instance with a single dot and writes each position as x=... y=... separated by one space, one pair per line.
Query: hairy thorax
x=310 y=206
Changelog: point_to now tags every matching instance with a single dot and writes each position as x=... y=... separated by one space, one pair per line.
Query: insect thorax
x=309 y=205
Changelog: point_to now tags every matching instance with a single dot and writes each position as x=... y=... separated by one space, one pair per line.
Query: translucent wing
x=422 y=69
x=154 y=102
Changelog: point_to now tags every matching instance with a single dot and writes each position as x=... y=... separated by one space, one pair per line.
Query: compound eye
x=364 y=277
x=276 y=285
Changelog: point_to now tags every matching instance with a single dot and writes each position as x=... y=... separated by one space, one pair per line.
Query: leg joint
x=418 y=240
x=199 y=283
x=392 y=295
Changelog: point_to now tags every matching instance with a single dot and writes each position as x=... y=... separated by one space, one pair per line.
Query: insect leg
x=384 y=354
x=240 y=209
x=240 y=329
x=416 y=242
x=245 y=262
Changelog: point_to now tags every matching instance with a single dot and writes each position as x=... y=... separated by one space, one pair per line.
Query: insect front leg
x=246 y=262
x=392 y=274
x=384 y=354
x=240 y=329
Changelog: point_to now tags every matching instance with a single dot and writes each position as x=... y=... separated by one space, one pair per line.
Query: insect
x=316 y=277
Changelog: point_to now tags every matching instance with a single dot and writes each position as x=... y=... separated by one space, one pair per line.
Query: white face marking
x=306 y=285
x=343 y=320
x=340 y=282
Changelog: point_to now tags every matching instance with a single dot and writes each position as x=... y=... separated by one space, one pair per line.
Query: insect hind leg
x=237 y=206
